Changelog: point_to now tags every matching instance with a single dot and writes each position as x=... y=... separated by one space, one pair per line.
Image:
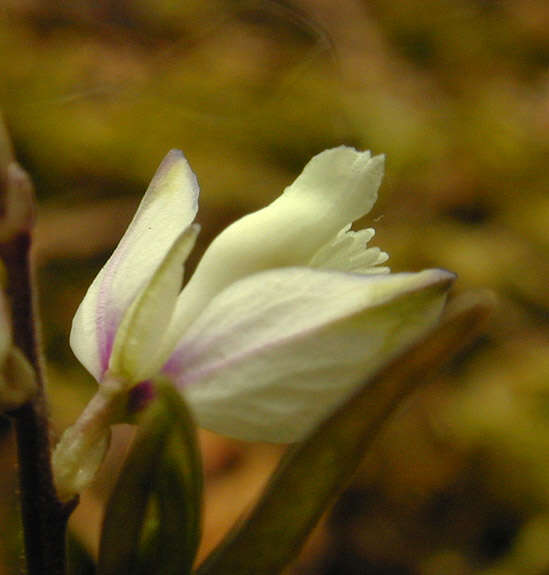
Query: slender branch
x=44 y=515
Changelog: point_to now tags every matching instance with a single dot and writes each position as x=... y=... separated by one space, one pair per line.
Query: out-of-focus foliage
x=455 y=93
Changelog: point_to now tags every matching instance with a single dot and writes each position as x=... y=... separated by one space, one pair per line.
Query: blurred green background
x=455 y=93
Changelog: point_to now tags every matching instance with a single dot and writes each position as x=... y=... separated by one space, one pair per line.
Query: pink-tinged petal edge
x=189 y=349
x=107 y=320
x=168 y=206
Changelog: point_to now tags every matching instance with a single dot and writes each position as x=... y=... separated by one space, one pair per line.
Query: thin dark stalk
x=44 y=515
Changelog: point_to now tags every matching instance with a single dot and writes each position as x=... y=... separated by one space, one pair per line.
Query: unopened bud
x=17 y=203
x=17 y=381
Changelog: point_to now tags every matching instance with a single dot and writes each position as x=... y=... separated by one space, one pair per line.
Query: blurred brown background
x=455 y=93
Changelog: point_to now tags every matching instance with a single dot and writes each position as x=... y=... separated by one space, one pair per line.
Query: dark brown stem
x=44 y=515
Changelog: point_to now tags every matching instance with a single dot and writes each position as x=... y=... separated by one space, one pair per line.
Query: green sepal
x=173 y=542
x=152 y=519
x=79 y=559
x=314 y=471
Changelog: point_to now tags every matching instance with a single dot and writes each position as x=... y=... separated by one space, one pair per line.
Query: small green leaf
x=152 y=520
x=315 y=470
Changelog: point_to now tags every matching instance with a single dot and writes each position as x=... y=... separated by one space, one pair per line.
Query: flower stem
x=44 y=515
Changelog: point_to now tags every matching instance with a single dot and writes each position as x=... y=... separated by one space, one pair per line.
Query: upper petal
x=168 y=207
x=337 y=187
x=138 y=351
x=275 y=352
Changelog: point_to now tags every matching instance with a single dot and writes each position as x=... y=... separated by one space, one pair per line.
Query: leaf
x=296 y=497
x=152 y=520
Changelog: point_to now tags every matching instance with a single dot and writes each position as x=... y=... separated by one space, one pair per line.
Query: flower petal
x=168 y=207
x=337 y=187
x=348 y=252
x=137 y=352
x=275 y=352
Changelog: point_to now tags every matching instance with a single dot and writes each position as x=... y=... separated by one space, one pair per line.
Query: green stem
x=44 y=515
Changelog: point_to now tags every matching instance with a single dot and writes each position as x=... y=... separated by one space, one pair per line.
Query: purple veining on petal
x=140 y=396
x=107 y=318
x=189 y=363
x=173 y=366
x=108 y=313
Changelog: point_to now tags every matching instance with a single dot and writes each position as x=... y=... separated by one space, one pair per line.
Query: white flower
x=286 y=313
